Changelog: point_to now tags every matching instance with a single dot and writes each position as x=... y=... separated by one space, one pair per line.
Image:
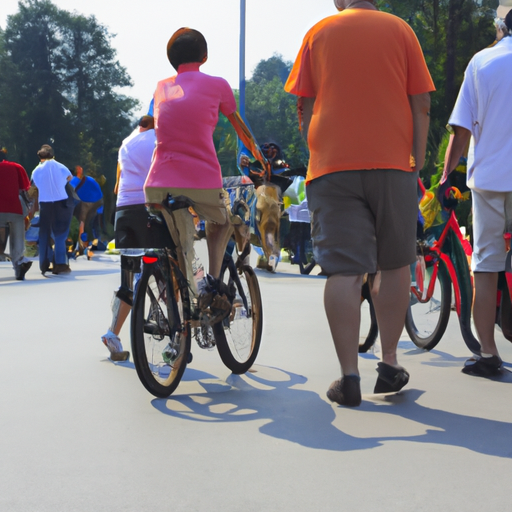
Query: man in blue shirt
x=91 y=199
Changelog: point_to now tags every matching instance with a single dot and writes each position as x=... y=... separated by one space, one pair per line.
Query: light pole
x=242 y=60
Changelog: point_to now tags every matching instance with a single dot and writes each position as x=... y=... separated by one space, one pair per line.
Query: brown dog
x=268 y=217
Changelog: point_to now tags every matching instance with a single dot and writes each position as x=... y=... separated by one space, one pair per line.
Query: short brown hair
x=45 y=152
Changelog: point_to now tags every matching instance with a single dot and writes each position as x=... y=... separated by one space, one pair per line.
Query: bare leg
x=484 y=310
x=122 y=315
x=81 y=229
x=217 y=237
x=342 y=302
x=391 y=301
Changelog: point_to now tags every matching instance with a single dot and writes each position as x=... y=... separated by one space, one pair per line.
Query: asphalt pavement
x=80 y=433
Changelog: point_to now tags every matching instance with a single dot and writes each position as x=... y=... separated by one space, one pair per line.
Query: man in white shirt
x=484 y=111
x=55 y=211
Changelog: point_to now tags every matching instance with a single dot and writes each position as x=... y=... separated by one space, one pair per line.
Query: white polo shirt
x=484 y=107
x=50 y=178
x=135 y=157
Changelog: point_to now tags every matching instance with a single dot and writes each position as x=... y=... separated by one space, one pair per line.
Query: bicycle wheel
x=367 y=337
x=238 y=336
x=426 y=322
x=460 y=264
x=160 y=332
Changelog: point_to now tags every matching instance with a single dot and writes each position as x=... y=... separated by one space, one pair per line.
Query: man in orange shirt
x=363 y=88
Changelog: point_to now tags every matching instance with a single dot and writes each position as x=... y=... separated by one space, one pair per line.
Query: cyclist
x=186 y=109
x=131 y=222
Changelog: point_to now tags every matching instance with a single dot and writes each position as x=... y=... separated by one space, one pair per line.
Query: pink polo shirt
x=186 y=112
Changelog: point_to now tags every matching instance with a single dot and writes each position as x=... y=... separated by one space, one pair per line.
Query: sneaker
x=483 y=366
x=113 y=343
x=346 y=391
x=215 y=300
x=21 y=270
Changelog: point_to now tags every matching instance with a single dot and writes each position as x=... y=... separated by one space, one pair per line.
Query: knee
x=125 y=294
x=131 y=264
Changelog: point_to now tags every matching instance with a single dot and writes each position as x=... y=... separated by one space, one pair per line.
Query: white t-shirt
x=135 y=157
x=484 y=107
x=50 y=178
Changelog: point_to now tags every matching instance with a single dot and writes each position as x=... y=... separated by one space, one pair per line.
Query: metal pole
x=242 y=60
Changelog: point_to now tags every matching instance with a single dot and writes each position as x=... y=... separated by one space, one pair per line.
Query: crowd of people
x=363 y=105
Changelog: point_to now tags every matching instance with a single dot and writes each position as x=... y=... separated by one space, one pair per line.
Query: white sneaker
x=113 y=343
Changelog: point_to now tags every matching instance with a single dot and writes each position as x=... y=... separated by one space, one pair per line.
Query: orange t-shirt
x=361 y=66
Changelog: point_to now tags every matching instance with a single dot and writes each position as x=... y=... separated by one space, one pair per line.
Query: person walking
x=363 y=88
x=483 y=112
x=91 y=200
x=14 y=183
x=55 y=211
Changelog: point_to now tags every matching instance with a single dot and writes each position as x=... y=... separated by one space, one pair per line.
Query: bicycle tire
x=504 y=316
x=426 y=322
x=460 y=263
x=238 y=337
x=160 y=330
x=371 y=337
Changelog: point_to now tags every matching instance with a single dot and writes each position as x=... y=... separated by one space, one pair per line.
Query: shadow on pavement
x=303 y=417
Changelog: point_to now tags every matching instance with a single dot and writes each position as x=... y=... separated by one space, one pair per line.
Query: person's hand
x=444 y=194
x=244 y=161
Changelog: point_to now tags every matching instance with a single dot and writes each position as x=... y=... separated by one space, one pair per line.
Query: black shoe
x=215 y=299
x=61 y=268
x=46 y=267
x=346 y=391
x=391 y=379
x=483 y=366
x=21 y=270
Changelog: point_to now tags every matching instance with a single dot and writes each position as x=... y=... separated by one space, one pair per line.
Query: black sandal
x=391 y=379
x=483 y=366
x=346 y=391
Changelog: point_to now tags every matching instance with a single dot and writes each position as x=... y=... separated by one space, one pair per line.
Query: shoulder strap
x=82 y=181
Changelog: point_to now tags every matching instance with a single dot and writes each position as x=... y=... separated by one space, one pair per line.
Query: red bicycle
x=441 y=265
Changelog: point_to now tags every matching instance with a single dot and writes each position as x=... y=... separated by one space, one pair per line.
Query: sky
x=143 y=27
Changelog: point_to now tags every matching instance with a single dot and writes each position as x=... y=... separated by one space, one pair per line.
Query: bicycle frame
x=450 y=250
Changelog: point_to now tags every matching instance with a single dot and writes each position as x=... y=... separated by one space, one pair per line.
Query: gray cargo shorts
x=364 y=221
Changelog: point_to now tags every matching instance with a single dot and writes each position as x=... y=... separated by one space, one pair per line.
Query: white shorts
x=492 y=217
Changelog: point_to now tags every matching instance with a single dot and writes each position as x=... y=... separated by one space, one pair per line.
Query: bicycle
x=441 y=265
x=165 y=314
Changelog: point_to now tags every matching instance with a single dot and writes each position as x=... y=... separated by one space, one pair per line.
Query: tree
x=450 y=33
x=272 y=112
x=33 y=84
x=58 y=88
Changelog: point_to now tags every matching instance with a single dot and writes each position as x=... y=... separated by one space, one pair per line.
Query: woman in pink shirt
x=186 y=111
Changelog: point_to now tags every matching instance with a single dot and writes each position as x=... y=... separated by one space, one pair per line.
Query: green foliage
x=450 y=33
x=226 y=141
x=272 y=112
x=59 y=76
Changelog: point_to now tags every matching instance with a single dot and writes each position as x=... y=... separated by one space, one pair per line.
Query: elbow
x=420 y=103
